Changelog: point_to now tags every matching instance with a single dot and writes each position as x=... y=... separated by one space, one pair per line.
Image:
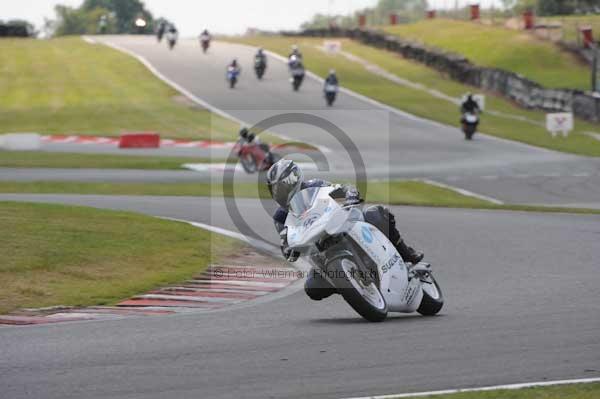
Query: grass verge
x=67 y=255
x=409 y=192
x=573 y=391
x=67 y=86
x=41 y=159
x=498 y=47
x=355 y=77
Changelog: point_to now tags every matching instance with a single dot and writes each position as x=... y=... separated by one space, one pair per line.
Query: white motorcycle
x=358 y=259
x=470 y=120
x=330 y=93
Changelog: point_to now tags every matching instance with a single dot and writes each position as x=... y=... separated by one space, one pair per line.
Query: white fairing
x=400 y=294
x=330 y=88
x=471 y=118
x=307 y=226
x=297 y=71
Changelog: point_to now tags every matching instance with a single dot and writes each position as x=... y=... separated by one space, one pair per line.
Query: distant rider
x=243 y=136
x=205 y=36
x=285 y=179
x=296 y=66
x=172 y=34
x=331 y=78
x=469 y=105
x=234 y=65
x=260 y=58
x=296 y=52
x=162 y=27
x=263 y=146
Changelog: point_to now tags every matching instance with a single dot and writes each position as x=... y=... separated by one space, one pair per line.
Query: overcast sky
x=222 y=16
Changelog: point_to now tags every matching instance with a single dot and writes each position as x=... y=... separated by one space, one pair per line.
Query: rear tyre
x=433 y=300
x=248 y=163
x=232 y=82
x=365 y=299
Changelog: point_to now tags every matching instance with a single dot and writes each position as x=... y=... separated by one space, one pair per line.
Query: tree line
x=101 y=16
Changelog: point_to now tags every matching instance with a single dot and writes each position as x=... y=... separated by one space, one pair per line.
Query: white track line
x=189 y=95
x=265 y=246
x=89 y=40
x=481 y=389
x=462 y=191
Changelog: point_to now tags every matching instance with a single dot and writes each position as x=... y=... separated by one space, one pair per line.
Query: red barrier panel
x=139 y=140
x=474 y=12
x=588 y=36
x=362 y=20
x=393 y=19
x=430 y=14
x=528 y=19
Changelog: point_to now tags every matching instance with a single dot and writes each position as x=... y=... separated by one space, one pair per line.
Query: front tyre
x=433 y=300
x=248 y=162
x=363 y=296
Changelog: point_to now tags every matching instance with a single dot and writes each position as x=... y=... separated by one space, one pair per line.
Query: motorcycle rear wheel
x=366 y=300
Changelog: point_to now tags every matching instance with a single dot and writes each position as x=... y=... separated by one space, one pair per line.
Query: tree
x=118 y=15
x=125 y=11
x=18 y=28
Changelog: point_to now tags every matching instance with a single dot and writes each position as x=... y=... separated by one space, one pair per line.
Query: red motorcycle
x=255 y=156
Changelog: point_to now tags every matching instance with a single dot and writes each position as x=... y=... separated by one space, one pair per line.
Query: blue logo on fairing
x=367 y=235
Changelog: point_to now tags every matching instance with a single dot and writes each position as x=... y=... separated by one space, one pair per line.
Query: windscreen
x=303 y=200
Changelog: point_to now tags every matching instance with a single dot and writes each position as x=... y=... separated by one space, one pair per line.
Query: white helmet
x=284 y=180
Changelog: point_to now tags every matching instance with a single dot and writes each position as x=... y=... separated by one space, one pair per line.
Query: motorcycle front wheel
x=248 y=163
x=362 y=295
x=469 y=130
x=433 y=300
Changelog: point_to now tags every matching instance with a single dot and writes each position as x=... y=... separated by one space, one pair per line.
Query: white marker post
x=332 y=46
x=559 y=122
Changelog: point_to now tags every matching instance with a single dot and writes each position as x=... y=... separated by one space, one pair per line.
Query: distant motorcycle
x=260 y=66
x=469 y=120
x=297 y=71
x=232 y=76
x=330 y=93
x=297 y=78
x=204 y=43
x=255 y=157
x=172 y=39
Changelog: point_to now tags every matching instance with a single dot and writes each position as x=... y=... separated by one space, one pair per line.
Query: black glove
x=289 y=254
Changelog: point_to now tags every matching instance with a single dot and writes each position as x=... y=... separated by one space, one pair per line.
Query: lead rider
x=285 y=179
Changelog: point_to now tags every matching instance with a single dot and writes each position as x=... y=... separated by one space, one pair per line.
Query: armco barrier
x=20 y=141
x=513 y=86
x=139 y=140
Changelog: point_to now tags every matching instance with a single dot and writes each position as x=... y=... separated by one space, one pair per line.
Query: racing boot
x=409 y=254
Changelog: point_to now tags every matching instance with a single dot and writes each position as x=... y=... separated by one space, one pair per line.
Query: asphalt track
x=512 y=314
x=521 y=288
x=391 y=144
